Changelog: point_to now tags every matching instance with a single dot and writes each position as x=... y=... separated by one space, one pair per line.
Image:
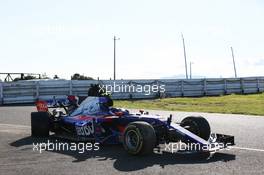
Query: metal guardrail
x=30 y=91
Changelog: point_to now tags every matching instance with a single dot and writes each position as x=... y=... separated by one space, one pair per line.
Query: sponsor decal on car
x=85 y=130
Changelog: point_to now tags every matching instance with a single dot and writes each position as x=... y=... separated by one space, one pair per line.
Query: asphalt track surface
x=17 y=155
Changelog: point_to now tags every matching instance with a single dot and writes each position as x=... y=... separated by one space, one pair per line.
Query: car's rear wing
x=44 y=104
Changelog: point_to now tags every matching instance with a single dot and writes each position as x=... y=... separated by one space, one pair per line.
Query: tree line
x=75 y=76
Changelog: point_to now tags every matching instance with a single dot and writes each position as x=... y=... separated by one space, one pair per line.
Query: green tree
x=29 y=77
x=55 y=77
x=77 y=76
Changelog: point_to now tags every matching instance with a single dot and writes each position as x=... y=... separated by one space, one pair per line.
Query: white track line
x=248 y=149
x=232 y=147
x=14 y=129
x=13 y=125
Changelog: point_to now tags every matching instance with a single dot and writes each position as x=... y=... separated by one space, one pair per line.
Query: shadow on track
x=125 y=162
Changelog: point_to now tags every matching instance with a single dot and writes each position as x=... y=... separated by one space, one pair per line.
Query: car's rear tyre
x=139 y=138
x=40 y=124
x=198 y=126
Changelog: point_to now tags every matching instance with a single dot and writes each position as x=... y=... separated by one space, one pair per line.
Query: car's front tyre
x=197 y=125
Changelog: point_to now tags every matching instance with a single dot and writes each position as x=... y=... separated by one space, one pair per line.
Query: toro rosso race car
x=96 y=120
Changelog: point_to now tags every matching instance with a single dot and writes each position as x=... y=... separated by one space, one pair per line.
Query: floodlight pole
x=191 y=70
x=234 y=63
x=186 y=70
x=115 y=56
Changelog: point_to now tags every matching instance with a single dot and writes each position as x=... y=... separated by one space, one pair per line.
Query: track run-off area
x=17 y=155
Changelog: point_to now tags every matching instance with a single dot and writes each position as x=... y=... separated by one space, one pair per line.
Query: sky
x=64 y=37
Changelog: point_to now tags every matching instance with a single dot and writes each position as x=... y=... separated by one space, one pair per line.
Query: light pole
x=234 y=63
x=115 y=56
x=186 y=71
x=191 y=70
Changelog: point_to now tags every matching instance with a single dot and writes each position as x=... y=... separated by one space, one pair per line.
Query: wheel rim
x=132 y=140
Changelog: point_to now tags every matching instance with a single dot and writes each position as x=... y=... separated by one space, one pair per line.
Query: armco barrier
x=1 y=93
x=30 y=91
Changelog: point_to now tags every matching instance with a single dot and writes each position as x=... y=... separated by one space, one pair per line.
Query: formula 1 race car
x=96 y=120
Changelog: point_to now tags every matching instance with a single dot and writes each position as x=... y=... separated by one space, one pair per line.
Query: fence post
x=242 y=85
x=37 y=90
x=258 y=85
x=225 y=86
x=70 y=87
x=1 y=93
x=205 y=88
x=182 y=88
